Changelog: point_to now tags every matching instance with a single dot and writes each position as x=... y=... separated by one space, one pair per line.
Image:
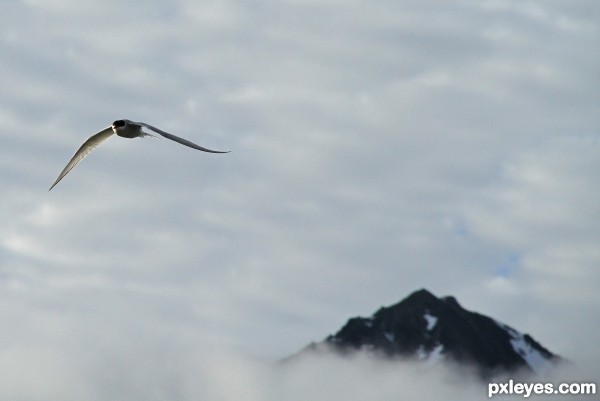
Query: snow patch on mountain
x=432 y=357
x=535 y=360
x=431 y=320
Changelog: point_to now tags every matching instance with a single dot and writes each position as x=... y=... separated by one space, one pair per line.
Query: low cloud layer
x=159 y=371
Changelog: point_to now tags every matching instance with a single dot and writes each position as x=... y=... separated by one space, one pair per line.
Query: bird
x=126 y=129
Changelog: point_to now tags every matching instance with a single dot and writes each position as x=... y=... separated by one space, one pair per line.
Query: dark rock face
x=425 y=327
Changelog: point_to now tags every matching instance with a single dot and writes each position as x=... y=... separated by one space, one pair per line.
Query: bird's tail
x=145 y=134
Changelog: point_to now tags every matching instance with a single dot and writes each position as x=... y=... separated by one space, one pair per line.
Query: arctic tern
x=125 y=129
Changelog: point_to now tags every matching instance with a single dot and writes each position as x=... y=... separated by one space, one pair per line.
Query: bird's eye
x=119 y=123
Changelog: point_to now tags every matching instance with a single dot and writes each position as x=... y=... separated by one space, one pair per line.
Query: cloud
x=375 y=150
x=542 y=207
x=158 y=369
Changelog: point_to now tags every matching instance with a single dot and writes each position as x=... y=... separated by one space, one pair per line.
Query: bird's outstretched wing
x=178 y=139
x=85 y=149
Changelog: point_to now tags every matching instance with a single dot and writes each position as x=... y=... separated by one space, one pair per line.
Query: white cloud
x=375 y=150
x=544 y=206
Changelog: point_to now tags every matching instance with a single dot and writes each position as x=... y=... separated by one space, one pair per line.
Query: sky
x=376 y=148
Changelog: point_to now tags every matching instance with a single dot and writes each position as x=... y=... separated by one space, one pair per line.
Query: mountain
x=431 y=329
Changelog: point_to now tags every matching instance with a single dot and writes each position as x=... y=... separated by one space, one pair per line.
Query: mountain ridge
x=433 y=330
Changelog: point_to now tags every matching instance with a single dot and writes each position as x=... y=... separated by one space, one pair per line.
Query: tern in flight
x=125 y=129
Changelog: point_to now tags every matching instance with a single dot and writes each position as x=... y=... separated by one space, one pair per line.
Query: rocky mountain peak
x=431 y=329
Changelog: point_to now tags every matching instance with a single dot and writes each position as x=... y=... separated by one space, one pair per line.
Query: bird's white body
x=126 y=129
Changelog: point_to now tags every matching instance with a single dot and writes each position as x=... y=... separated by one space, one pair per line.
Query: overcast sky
x=376 y=148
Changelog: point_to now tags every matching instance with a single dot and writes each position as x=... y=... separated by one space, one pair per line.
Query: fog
x=134 y=373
